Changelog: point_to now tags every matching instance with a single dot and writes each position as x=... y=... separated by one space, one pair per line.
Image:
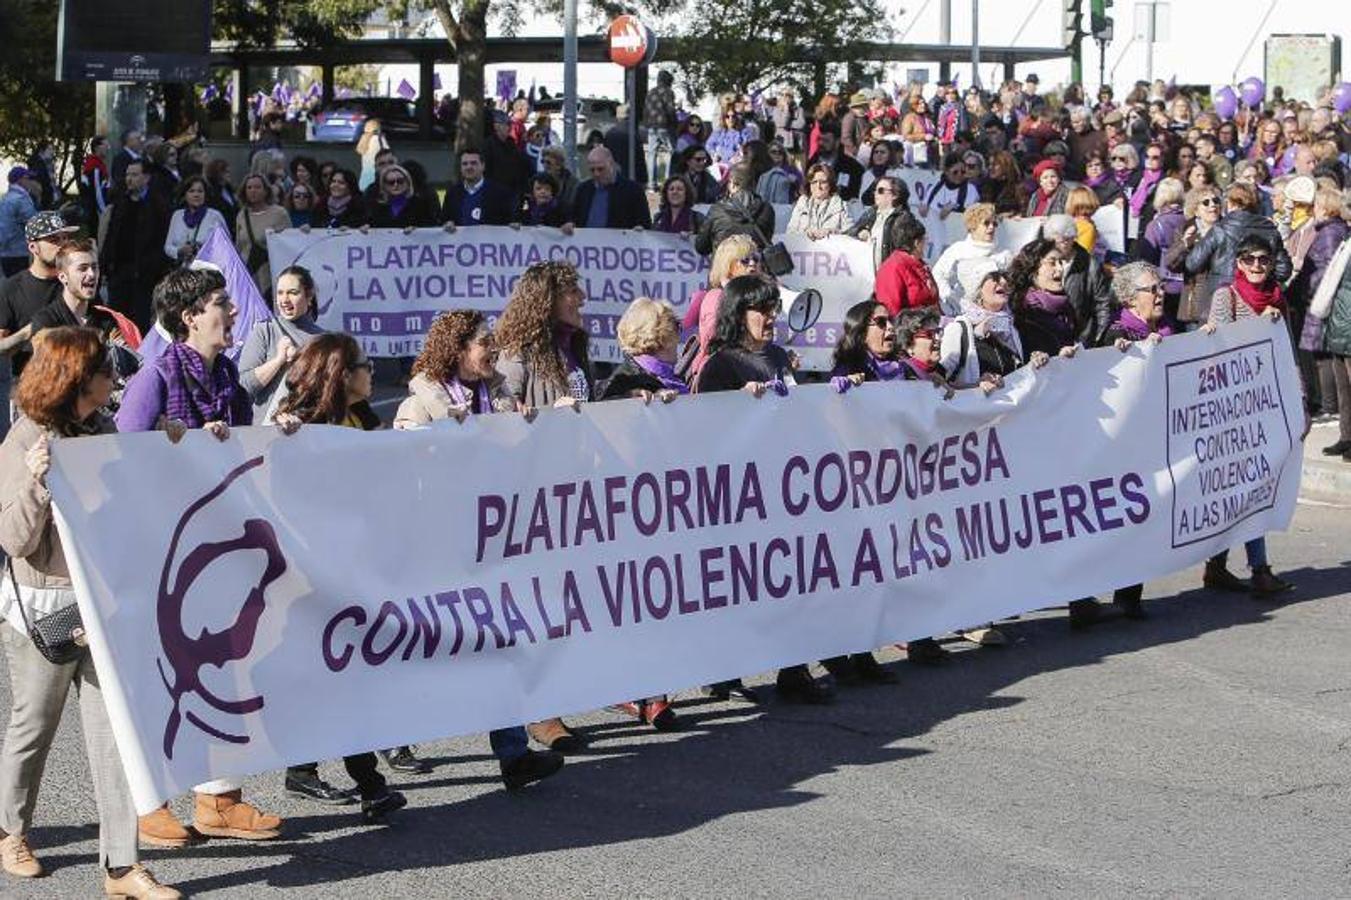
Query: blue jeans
x=509 y=743
x=1257 y=552
x=658 y=141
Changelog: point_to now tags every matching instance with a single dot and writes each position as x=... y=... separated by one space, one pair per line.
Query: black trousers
x=361 y=767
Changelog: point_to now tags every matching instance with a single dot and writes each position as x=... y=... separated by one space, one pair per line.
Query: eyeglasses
x=1256 y=260
x=752 y=260
x=1121 y=159
x=1155 y=288
x=883 y=190
x=1209 y=201
x=395 y=182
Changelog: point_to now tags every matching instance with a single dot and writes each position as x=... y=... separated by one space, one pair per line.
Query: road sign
x=629 y=42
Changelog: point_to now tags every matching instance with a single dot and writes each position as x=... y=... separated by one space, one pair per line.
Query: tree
x=752 y=44
x=34 y=106
x=467 y=32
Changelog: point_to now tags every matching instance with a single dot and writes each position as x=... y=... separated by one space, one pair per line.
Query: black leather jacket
x=1214 y=255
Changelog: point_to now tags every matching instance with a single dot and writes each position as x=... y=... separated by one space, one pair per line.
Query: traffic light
x=1069 y=22
x=1099 y=23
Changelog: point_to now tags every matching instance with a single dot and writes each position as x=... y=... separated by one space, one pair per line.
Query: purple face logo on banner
x=185 y=655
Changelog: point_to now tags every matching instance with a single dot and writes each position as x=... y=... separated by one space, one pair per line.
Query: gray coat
x=534 y=392
x=259 y=347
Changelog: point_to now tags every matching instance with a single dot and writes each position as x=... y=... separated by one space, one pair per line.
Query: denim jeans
x=509 y=743
x=1257 y=552
x=658 y=141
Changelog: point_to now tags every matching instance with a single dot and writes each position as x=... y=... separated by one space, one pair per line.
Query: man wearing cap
x=854 y=124
x=26 y=292
x=503 y=161
x=848 y=170
x=17 y=207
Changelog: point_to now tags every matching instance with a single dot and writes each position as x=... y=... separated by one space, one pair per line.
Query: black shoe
x=727 y=690
x=1084 y=613
x=315 y=788
x=1219 y=578
x=925 y=651
x=842 y=669
x=401 y=759
x=871 y=671
x=1337 y=449
x=529 y=767
x=374 y=810
x=796 y=685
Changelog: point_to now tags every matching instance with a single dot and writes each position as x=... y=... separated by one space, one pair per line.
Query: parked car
x=341 y=121
x=592 y=112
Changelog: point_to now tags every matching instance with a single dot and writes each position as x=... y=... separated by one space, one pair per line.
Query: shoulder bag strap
x=248 y=226
x=18 y=598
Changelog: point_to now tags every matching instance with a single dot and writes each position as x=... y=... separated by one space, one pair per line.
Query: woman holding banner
x=67 y=382
x=1255 y=292
x=1042 y=313
x=342 y=206
x=981 y=345
x=455 y=376
x=649 y=335
x=744 y=357
x=194 y=384
x=399 y=205
x=545 y=362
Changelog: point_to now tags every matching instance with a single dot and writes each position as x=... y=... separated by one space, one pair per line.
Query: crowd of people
x=1256 y=231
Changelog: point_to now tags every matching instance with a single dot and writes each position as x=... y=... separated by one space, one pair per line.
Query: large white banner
x=270 y=600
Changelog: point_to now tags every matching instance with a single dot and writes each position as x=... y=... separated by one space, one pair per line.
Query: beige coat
x=27 y=530
x=429 y=401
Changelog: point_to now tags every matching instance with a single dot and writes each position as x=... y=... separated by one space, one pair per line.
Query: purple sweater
x=147 y=394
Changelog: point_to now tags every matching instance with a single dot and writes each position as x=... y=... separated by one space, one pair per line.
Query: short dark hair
x=181 y=291
x=902 y=233
x=953 y=159
x=180 y=195
x=545 y=179
x=471 y=151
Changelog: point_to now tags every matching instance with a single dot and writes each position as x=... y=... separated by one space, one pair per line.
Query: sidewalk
x=1326 y=478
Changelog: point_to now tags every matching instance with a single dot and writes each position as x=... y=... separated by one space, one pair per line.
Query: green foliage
x=34 y=106
x=311 y=23
x=740 y=45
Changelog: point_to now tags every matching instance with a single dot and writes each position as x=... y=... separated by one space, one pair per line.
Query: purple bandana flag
x=436 y=81
x=315 y=92
x=230 y=91
x=209 y=93
x=506 y=85
x=406 y=90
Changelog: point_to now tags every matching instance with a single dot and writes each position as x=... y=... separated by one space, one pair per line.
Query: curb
x=1324 y=478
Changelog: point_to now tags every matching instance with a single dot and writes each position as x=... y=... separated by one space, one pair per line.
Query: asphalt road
x=1203 y=752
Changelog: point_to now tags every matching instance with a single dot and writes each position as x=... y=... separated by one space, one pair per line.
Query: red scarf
x=1259 y=296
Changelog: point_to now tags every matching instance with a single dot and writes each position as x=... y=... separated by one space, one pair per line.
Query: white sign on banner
x=284 y=599
x=384 y=287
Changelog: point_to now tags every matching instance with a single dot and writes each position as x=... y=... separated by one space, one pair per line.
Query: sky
x=1212 y=42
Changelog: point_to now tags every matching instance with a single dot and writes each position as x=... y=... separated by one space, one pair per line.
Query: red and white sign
x=629 y=40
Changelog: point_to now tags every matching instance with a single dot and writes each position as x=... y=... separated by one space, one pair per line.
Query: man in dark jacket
x=1215 y=254
x=609 y=200
x=1087 y=286
x=848 y=171
x=132 y=256
x=503 y=160
x=474 y=200
x=742 y=211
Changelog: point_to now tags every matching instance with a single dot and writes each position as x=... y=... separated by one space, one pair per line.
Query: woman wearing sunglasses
x=399 y=205
x=1255 y=292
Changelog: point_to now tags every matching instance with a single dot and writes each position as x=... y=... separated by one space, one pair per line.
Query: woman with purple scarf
x=193 y=384
x=676 y=214
x=1042 y=312
x=1139 y=293
x=649 y=335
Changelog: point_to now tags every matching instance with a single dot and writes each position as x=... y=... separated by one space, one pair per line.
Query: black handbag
x=59 y=635
x=774 y=256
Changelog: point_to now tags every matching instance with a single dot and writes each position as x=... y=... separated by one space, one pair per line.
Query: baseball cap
x=19 y=172
x=501 y=118
x=47 y=224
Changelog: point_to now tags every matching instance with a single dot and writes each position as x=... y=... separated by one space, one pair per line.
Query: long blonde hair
x=372 y=130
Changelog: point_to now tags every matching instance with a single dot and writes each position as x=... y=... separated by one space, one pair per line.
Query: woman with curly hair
x=453 y=377
x=1042 y=312
x=544 y=355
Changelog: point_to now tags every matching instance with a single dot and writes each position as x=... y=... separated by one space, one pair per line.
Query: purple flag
x=344 y=93
x=506 y=85
x=230 y=91
x=406 y=90
x=209 y=93
x=316 y=90
x=436 y=81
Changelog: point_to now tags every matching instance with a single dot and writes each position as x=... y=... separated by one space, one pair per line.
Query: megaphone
x=802 y=308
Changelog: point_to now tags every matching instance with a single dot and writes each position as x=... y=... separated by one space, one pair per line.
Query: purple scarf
x=678 y=225
x=663 y=371
x=1141 y=192
x=1055 y=310
x=1095 y=180
x=885 y=369
x=196 y=396
x=480 y=401
x=193 y=217
x=397 y=205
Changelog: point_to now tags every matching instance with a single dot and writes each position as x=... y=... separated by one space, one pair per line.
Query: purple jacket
x=147 y=395
x=1328 y=236
x=1160 y=234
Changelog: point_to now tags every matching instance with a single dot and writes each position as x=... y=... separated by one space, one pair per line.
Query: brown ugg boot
x=161 y=828
x=226 y=815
